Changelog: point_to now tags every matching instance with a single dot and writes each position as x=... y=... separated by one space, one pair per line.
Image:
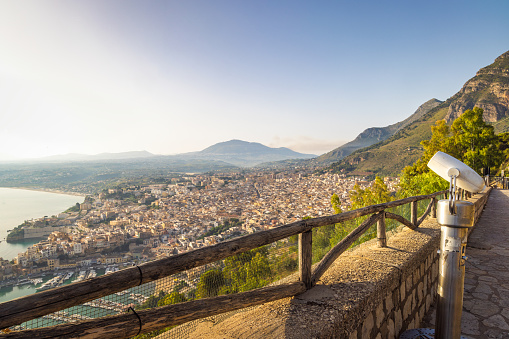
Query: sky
x=171 y=76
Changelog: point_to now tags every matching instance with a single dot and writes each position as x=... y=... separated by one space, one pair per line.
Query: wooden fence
x=124 y=325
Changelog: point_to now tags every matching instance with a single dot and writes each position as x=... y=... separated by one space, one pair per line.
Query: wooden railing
x=497 y=181
x=124 y=325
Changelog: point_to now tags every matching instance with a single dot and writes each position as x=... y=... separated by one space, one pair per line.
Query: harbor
x=109 y=305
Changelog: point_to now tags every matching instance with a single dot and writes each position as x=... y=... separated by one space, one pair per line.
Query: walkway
x=486 y=296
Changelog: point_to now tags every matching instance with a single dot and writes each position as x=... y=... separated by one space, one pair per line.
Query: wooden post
x=305 y=256
x=380 y=231
x=434 y=210
x=413 y=212
x=342 y=246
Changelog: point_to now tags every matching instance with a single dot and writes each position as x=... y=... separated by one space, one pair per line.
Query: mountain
x=489 y=89
x=245 y=154
x=374 y=135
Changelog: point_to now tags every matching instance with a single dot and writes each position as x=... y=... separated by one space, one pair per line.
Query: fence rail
x=495 y=181
x=17 y=311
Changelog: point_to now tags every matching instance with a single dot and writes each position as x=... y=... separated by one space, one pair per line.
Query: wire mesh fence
x=246 y=271
x=243 y=272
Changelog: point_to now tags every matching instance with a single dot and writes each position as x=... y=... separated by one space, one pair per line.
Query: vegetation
x=75 y=208
x=172 y=298
x=390 y=156
x=376 y=194
x=221 y=228
x=468 y=139
x=16 y=234
x=326 y=237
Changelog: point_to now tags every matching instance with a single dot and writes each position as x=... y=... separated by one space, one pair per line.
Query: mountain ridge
x=390 y=156
x=374 y=135
x=94 y=157
x=488 y=89
x=233 y=153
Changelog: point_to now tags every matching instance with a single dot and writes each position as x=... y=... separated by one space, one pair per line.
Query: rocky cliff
x=489 y=90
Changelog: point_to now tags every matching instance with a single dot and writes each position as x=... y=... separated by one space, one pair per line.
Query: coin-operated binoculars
x=455 y=217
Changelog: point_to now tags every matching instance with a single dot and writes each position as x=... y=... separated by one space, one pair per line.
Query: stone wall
x=369 y=292
x=39 y=232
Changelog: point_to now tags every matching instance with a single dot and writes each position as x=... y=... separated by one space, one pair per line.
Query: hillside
x=374 y=135
x=489 y=89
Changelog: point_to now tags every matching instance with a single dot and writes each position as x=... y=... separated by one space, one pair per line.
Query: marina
x=109 y=305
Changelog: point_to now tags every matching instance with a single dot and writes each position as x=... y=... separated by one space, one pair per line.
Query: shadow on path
x=486 y=296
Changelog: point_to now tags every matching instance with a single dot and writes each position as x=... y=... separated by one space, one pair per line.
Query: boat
x=92 y=274
x=121 y=293
x=36 y=281
x=68 y=275
x=23 y=282
x=53 y=282
x=82 y=276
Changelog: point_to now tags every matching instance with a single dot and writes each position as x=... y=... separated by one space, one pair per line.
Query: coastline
x=47 y=190
x=18 y=204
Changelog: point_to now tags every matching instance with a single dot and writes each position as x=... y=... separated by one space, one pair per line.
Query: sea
x=18 y=205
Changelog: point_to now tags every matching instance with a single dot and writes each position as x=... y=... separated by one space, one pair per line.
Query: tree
x=336 y=203
x=152 y=301
x=439 y=141
x=474 y=142
x=469 y=139
x=246 y=271
x=378 y=193
x=172 y=298
x=210 y=284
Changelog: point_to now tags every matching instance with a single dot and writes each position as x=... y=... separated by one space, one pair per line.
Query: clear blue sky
x=177 y=76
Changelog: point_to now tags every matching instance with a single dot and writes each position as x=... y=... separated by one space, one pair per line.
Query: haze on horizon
x=178 y=76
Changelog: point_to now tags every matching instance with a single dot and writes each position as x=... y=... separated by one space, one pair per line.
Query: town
x=135 y=224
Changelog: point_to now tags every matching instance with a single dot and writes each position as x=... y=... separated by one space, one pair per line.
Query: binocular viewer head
x=448 y=167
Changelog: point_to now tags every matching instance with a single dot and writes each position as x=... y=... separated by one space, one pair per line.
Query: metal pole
x=453 y=242
x=451 y=281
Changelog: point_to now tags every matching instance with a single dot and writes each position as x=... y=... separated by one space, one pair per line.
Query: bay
x=18 y=205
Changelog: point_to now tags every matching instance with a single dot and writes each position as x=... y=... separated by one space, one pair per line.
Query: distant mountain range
x=96 y=157
x=229 y=153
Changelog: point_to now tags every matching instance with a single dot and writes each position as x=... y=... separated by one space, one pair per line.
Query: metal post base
x=421 y=333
